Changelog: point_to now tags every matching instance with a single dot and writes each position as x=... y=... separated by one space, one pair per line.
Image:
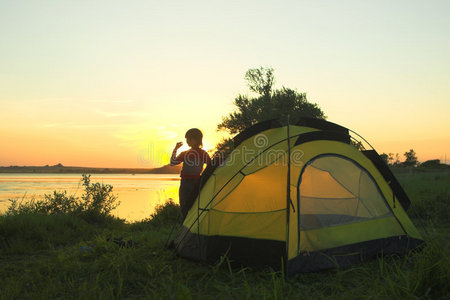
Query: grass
x=46 y=254
x=429 y=192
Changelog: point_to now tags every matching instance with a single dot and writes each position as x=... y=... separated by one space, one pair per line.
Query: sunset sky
x=117 y=83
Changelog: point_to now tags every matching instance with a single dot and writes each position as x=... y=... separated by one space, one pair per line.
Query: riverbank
x=81 y=256
x=167 y=169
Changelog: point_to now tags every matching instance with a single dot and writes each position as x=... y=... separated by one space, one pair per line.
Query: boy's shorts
x=188 y=187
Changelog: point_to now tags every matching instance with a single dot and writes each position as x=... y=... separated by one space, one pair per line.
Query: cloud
x=142 y=133
x=167 y=135
x=72 y=125
x=109 y=114
x=118 y=101
x=49 y=125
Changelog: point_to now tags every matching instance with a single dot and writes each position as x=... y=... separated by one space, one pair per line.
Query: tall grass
x=65 y=255
x=429 y=193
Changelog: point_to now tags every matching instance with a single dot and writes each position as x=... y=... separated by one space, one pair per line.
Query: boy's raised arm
x=174 y=160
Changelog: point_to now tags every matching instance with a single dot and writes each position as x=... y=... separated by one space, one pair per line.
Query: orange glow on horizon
x=149 y=150
x=120 y=85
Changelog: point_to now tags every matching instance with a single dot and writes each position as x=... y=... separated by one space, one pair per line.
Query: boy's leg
x=182 y=196
x=193 y=187
x=186 y=194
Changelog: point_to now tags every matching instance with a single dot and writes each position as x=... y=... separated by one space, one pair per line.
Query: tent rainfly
x=304 y=197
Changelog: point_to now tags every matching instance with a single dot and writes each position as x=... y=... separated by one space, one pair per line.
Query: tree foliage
x=260 y=80
x=268 y=104
x=410 y=159
x=394 y=160
x=390 y=160
x=385 y=158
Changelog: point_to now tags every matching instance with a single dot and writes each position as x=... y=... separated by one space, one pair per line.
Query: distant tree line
x=410 y=160
x=394 y=160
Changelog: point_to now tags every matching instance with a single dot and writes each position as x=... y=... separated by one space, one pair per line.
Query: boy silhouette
x=193 y=161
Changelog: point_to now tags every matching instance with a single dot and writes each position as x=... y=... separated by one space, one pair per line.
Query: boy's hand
x=178 y=145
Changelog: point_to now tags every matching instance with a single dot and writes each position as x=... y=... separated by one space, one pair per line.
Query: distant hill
x=59 y=168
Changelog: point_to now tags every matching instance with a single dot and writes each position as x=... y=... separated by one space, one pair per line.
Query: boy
x=193 y=161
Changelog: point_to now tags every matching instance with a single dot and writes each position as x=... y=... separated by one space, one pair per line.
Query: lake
x=139 y=194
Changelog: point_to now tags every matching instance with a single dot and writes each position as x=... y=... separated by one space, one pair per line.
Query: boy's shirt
x=193 y=161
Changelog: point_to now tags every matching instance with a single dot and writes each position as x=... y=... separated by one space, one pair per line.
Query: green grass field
x=80 y=256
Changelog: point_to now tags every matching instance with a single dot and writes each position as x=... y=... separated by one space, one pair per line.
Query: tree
x=385 y=158
x=395 y=162
x=268 y=104
x=260 y=80
x=410 y=159
x=390 y=160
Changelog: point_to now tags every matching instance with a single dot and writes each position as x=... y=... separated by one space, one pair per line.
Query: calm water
x=139 y=194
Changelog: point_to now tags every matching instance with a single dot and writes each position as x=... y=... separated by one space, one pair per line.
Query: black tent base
x=269 y=253
x=243 y=251
x=349 y=255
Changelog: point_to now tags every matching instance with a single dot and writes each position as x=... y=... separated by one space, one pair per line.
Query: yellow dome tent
x=342 y=204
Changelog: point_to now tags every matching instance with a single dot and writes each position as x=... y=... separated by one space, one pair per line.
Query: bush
x=166 y=214
x=96 y=202
x=98 y=197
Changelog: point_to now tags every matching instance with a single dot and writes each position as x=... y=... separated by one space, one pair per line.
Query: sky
x=117 y=83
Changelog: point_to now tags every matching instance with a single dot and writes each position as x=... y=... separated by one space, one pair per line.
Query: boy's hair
x=196 y=135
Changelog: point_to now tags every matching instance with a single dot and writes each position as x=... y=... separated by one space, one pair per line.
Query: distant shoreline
x=167 y=169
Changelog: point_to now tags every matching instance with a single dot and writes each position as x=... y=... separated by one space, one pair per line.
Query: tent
x=303 y=197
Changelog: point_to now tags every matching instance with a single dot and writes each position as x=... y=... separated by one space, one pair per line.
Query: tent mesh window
x=335 y=191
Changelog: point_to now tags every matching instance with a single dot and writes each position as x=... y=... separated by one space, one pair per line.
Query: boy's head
x=194 y=137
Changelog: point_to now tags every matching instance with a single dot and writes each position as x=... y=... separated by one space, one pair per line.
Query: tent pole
x=288 y=196
x=198 y=217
